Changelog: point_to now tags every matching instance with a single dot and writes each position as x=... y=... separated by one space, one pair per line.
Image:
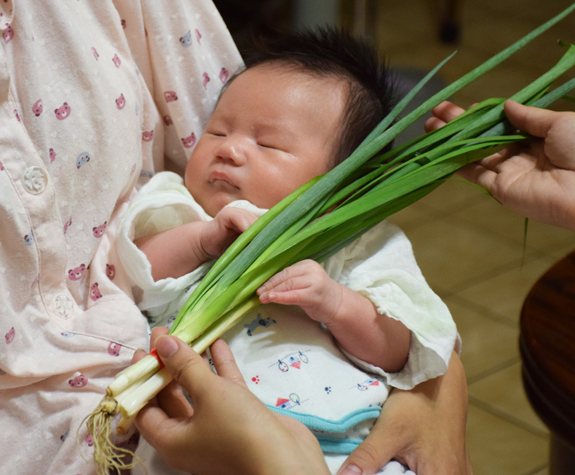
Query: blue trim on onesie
x=335 y=445
x=328 y=425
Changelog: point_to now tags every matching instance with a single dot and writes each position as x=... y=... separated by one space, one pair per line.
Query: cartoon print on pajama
x=170 y=96
x=120 y=102
x=148 y=135
x=52 y=155
x=110 y=271
x=365 y=385
x=198 y=36
x=189 y=141
x=9 y=33
x=29 y=238
x=258 y=322
x=206 y=80
x=186 y=40
x=224 y=75
x=171 y=321
x=293 y=360
x=78 y=382
x=82 y=159
x=293 y=401
x=95 y=292
x=116 y=61
x=114 y=349
x=67 y=224
x=37 y=108
x=95 y=53
x=9 y=337
x=98 y=231
x=77 y=273
x=63 y=112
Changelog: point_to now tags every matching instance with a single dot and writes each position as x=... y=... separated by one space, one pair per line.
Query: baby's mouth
x=221 y=177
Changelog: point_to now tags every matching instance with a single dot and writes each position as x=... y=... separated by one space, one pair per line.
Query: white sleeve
x=381 y=266
x=163 y=203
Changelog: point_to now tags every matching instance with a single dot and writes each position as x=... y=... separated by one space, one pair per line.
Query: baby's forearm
x=370 y=336
x=175 y=252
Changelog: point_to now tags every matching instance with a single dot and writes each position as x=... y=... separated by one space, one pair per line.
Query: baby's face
x=272 y=131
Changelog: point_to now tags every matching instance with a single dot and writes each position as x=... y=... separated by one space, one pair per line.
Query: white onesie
x=291 y=362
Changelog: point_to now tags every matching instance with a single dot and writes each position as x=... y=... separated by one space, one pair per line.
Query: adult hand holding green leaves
x=535 y=178
x=229 y=430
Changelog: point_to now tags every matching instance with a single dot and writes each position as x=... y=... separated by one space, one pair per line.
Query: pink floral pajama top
x=96 y=96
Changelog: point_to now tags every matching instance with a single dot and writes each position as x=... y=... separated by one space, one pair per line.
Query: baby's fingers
x=237 y=219
x=291 y=291
x=300 y=269
x=284 y=297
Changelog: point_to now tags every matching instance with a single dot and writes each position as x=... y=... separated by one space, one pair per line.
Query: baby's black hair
x=334 y=53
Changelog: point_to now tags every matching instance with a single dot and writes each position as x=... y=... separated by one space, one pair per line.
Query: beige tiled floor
x=469 y=247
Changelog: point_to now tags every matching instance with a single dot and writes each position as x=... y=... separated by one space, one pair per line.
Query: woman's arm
x=423 y=428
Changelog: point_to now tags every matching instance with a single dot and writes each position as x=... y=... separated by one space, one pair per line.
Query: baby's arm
x=351 y=318
x=180 y=250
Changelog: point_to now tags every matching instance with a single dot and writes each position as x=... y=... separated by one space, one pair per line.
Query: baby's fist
x=217 y=235
x=307 y=285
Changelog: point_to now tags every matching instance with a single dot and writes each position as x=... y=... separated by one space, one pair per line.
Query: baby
x=302 y=105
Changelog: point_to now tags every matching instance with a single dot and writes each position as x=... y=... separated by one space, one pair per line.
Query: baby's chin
x=214 y=205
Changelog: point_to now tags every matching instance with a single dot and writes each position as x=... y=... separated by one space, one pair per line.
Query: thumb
x=532 y=120
x=371 y=455
x=242 y=219
x=184 y=364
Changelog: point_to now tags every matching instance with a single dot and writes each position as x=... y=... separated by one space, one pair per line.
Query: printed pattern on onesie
x=295 y=367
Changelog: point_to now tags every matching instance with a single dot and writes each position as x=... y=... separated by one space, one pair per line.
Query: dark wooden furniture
x=547 y=343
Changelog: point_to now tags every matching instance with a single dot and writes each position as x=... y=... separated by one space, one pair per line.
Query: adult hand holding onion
x=229 y=430
x=535 y=178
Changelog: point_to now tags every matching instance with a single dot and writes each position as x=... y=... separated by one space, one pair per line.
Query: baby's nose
x=233 y=149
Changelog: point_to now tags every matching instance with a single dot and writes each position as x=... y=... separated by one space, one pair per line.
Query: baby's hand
x=307 y=285
x=217 y=235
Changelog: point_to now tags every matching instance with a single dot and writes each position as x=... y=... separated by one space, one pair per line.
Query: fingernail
x=166 y=346
x=350 y=470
